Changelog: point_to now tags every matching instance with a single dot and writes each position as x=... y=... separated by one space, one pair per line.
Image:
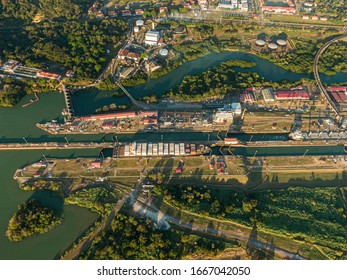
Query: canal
x=18 y=122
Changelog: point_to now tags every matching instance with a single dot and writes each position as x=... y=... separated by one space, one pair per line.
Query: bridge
x=68 y=102
x=318 y=80
x=138 y=104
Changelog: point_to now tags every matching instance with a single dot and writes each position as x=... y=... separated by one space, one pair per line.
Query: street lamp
x=305 y=153
x=26 y=142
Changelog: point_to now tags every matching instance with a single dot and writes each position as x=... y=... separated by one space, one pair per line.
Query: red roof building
x=150 y=121
x=278 y=9
x=96 y=164
x=47 y=75
x=133 y=56
x=231 y=141
x=123 y=53
x=337 y=89
x=292 y=94
x=246 y=97
x=149 y=114
x=342 y=95
x=121 y=115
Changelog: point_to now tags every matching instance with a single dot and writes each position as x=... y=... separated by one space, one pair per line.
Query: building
x=95 y=164
x=223 y=117
x=126 y=13
x=292 y=95
x=70 y=73
x=133 y=56
x=268 y=95
x=139 y=12
x=152 y=38
x=231 y=141
x=99 y=14
x=120 y=115
x=290 y=9
x=10 y=66
x=163 y=10
x=228 y=4
x=112 y=13
x=122 y=54
x=233 y=108
x=247 y=96
x=146 y=114
x=47 y=75
x=126 y=71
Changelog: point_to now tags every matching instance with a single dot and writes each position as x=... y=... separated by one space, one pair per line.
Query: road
x=225 y=234
x=317 y=78
x=75 y=252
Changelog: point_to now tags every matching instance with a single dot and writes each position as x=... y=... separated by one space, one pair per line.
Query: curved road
x=317 y=78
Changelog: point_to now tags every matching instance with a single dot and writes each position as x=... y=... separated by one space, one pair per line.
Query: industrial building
x=152 y=38
x=223 y=117
x=268 y=95
x=292 y=95
x=247 y=96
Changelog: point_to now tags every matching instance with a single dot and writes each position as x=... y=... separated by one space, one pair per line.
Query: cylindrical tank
x=139 y=22
x=164 y=52
x=281 y=42
x=273 y=46
x=260 y=43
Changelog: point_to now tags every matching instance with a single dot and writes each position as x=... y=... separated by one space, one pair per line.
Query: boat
x=159 y=149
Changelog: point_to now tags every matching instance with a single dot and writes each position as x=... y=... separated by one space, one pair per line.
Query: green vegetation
x=28 y=9
x=80 y=46
x=332 y=8
x=96 y=199
x=133 y=238
x=32 y=218
x=301 y=59
x=39 y=185
x=10 y=95
x=218 y=81
x=111 y=108
x=312 y=215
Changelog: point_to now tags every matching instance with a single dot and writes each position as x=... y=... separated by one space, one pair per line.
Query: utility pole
x=67 y=142
x=208 y=138
x=26 y=142
x=305 y=153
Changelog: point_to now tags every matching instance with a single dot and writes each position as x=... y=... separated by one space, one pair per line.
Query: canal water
x=90 y=100
x=48 y=245
x=18 y=122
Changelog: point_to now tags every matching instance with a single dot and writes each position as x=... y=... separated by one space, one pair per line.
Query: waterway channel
x=18 y=122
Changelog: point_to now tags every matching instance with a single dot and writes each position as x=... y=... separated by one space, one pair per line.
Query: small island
x=31 y=218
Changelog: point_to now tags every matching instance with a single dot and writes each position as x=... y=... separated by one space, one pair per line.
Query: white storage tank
x=281 y=42
x=260 y=43
x=164 y=52
x=273 y=46
x=139 y=23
